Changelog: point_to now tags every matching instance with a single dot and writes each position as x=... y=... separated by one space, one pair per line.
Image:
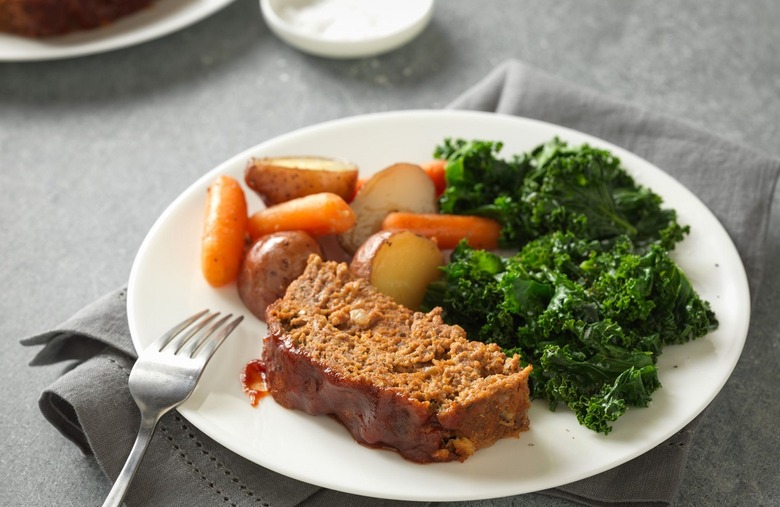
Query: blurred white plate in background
x=161 y=18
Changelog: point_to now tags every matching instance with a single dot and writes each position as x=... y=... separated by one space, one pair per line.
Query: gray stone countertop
x=93 y=149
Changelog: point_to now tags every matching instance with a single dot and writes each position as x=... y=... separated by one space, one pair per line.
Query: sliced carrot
x=436 y=172
x=224 y=231
x=318 y=214
x=447 y=230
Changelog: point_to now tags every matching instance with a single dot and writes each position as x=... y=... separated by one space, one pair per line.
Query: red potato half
x=400 y=187
x=279 y=179
x=270 y=265
x=399 y=264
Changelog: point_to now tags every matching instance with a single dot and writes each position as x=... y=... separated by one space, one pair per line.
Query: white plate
x=160 y=18
x=165 y=285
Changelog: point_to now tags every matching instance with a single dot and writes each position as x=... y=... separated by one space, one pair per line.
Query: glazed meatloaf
x=45 y=18
x=395 y=378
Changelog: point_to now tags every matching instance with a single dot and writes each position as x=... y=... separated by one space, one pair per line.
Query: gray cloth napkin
x=90 y=403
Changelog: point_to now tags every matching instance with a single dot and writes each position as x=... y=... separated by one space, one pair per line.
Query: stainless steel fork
x=164 y=376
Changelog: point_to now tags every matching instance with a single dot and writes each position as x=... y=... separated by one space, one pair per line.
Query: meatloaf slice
x=46 y=18
x=395 y=378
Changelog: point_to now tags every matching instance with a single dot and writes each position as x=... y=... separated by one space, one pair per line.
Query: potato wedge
x=279 y=179
x=400 y=187
x=270 y=265
x=400 y=264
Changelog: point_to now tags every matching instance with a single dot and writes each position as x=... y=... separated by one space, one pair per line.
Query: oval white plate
x=160 y=18
x=409 y=21
x=165 y=285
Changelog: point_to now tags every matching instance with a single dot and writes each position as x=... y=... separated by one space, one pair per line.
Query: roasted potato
x=279 y=179
x=400 y=187
x=400 y=264
x=270 y=265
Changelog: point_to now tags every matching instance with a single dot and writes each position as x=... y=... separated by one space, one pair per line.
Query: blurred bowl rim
x=333 y=48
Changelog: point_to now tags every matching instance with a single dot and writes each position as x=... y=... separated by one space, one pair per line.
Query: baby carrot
x=224 y=231
x=447 y=230
x=436 y=172
x=318 y=214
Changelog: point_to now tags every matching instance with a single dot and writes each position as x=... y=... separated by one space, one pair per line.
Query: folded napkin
x=91 y=405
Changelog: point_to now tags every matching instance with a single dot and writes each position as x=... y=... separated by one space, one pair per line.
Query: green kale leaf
x=591 y=316
x=591 y=296
x=554 y=187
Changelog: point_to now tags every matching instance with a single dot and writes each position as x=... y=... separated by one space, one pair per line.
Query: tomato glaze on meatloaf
x=395 y=378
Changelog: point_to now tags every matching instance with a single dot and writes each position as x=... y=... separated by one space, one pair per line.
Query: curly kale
x=592 y=296
x=554 y=187
x=592 y=316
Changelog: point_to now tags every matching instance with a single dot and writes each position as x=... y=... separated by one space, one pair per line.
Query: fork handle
x=119 y=489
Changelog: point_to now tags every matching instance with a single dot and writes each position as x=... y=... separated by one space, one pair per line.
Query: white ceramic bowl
x=347 y=28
